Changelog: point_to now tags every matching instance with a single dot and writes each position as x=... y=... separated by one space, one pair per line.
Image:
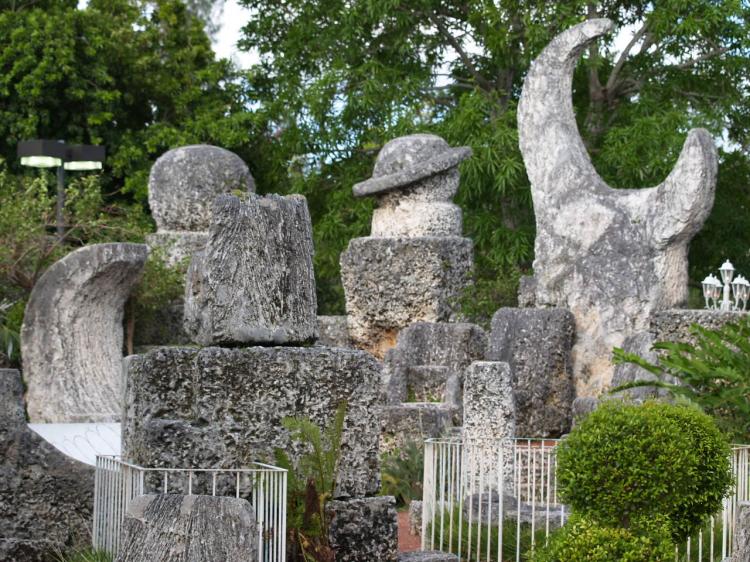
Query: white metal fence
x=117 y=483
x=497 y=501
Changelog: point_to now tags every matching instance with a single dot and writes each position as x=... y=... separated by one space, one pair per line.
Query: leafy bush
x=401 y=473
x=88 y=555
x=715 y=373
x=584 y=540
x=626 y=462
x=310 y=485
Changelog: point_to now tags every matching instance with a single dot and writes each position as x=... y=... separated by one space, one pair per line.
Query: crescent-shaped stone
x=71 y=339
x=559 y=166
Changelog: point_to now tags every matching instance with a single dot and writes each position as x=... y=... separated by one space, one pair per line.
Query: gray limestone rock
x=46 y=498
x=178 y=246
x=742 y=534
x=427 y=556
x=71 y=340
x=489 y=419
x=176 y=528
x=215 y=407
x=184 y=182
x=363 y=530
x=582 y=407
x=390 y=283
x=254 y=281
x=415 y=517
x=675 y=325
x=333 y=331
x=611 y=256
x=537 y=343
x=624 y=373
x=413 y=422
x=444 y=344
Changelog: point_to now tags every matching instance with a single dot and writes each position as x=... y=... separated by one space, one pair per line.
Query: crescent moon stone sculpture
x=612 y=256
x=71 y=339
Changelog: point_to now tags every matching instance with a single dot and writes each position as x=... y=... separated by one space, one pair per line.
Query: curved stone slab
x=184 y=182
x=612 y=256
x=71 y=340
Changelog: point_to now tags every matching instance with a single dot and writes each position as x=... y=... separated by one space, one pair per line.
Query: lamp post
x=40 y=153
x=728 y=287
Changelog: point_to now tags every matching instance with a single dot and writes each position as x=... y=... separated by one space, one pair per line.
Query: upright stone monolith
x=612 y=256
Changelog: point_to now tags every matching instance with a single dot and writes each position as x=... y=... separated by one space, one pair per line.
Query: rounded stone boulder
x=184 y=182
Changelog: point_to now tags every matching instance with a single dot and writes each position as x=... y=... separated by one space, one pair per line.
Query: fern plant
x=310 y=484
x=714 y=373
x=401 y=473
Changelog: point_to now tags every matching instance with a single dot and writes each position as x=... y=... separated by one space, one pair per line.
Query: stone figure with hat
x=415 y=263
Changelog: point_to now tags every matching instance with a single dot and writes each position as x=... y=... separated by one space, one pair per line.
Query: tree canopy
x=339 y=78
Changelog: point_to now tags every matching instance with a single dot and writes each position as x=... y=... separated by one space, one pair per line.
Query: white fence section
x=117 y=483
x=497 y=501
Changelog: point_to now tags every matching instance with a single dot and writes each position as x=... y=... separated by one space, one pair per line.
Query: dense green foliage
x=402 y=473
x=339 y=78
x=714 y=373
x=310 y=484
x=584 y=540
x=89 y=555
x=628 y=462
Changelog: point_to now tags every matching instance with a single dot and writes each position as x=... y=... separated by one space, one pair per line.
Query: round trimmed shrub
x=584 y=540
x=626 y=462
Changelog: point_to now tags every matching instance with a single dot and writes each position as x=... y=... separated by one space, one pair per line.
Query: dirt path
x=406 y=542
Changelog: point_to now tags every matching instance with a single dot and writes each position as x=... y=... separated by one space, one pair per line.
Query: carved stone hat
x=406 y=160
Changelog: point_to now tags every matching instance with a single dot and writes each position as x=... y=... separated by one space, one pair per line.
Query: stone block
x=363 y=530
x=72 y=335
x=415 y=517
x=414 y=422
x=219 y=407
x=427 y=556
x=46 y=498
x=611 y=256
x=447 y=344
x=176 y=528
x=675 y=325
x=742 y=534
x=390 y=283
x=333 y=331
x=178 y=246
x=489 y=403
x=537 y=344
x=184 y=181
x=254 y=281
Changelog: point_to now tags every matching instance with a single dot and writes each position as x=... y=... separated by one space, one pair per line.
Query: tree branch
x=612 y=80
x=705 y=56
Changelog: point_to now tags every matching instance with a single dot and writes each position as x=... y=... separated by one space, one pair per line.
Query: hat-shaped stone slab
x=415 y=179
x=254 y=282
x=184 y=182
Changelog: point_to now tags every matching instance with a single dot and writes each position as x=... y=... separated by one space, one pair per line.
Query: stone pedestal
x=414 y=422
x=390 y=283
x=363 y=530
x=220 y=407
x=46 y=498
x=175 y=528
x=72 y=335
x=537 y=345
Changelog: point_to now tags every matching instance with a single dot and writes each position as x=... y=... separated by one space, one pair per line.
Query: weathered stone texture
x=611 y=256
x=489 y=403
x=178 y=246
x=184 y=182
x=219 y=407
x=363 y=530
x=333 y=331
x=71 y=340
x=391 y=283
x=675 y=325
x=46 y=498
x=254 y=282
x=414 y=422
x=537 y=343
x=415 y=517
x=175 y=528
x=742 y=534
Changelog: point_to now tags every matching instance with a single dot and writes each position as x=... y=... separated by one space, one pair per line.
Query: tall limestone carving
x=612 y=256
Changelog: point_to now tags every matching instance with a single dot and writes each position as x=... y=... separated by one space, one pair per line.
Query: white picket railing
x=496 y=501
x=117 y=483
